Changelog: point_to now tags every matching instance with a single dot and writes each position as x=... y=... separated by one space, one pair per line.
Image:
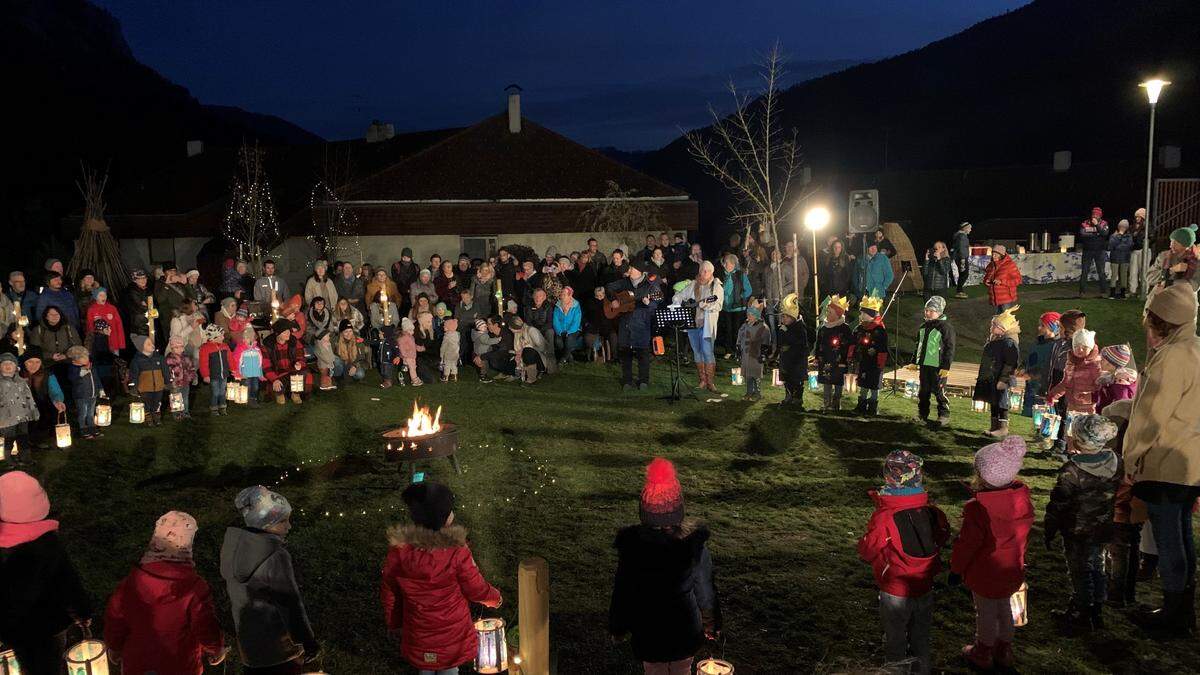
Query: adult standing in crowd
x=1138 y=257
x=1162 y=450
x=883 y=244
x=1093 y=247
x=873 y=273
x=270 y=287
x=736 y=285
x=506 y=269
x=687 y=267
x=708 y=294
x=135 y=304
x=961 y=251
x=404 y=273
x=937 y=270
x=837 y=271
x=55 y=294
x=349 y=286
x=635 y=328
x=20 y=294
x=1120 y=250
x=320 y=285
x=1001 y=278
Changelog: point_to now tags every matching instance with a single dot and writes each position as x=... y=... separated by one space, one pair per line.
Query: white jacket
x=707 y=313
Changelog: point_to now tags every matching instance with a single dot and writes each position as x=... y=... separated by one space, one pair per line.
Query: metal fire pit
x=409 y=451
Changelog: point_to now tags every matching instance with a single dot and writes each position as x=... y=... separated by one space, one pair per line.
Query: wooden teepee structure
x=96 y=249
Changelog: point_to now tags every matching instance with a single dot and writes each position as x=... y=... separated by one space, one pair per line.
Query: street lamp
x=816 y=219
x=1153 y=91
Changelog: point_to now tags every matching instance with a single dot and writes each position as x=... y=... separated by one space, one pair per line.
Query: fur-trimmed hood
x=425 y=539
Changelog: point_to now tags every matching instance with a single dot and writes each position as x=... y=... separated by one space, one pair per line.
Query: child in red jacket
x=161 y=617
x=429 y=578
x=903 y=544
x=989 y=554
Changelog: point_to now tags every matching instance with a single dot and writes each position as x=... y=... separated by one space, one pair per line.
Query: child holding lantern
x=247 y=365
x=832 y=348
x=1078 y=385
x=17 y=407
x=85 y=390
x=903 y=545
x=996 y=369
x=216 y=363
x=1049 y=325
x=183 y=373
x=868 y=353
x=149 y=376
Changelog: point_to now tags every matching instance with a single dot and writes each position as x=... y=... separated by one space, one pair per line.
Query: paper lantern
x=104 y=413
x=911 y=388
x=1016 y=399
x=1070 y=422
x=813 y=384
x=776 y=381
x=736 y=376
x=1050 y=425
x=1019 y=602
x=297 y=383
x=231 y=390
x=87 y=657
x=62 y=432
x=979 y=406
x=177 y=401
x=851 y=383
x=137 y=412
x=492 y=656
x=243 y=394
x=1039 y=411
x=714 y=667
x=8 y=663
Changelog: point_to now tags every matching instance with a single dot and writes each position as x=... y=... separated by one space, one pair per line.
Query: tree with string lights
x=252 y=224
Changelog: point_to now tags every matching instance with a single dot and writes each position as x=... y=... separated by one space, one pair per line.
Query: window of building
x=479 y=247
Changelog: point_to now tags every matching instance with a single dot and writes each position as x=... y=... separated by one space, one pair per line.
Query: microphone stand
x=893 y=346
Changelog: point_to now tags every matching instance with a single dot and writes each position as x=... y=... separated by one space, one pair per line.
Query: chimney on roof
x=514 y=108
x=379 y=131
x=194 y=148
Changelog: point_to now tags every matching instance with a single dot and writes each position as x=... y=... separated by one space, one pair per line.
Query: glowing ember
x=422 y=423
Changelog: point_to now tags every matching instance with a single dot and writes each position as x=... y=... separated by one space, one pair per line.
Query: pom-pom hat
x=662 y=497
x=1118 y=355
x=998 y=464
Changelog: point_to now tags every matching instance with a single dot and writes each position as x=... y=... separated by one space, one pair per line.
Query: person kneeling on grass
x=903 y=545
x=663 y=592
x=429 y=578
x=283 y=359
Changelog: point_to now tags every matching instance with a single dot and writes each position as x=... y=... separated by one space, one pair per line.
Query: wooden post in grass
x=533 y=614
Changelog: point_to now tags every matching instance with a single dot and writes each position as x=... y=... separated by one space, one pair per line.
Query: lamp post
x=816 y=219
x=1153 y=90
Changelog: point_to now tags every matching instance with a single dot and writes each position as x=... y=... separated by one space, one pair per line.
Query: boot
x=280 y=399
x=701 y=376
x=1173 y=620
x=711 y=369
x=1112 y=294
x=1118 y=555
x=531 y=374
x=837 y=403
x=873 y=407
x=979 y=656
x=327 y=381
x=1003 y=654
x=861 y=408
x=296 y=399
x=1001 y=429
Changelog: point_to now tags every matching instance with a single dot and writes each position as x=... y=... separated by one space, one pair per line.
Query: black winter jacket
x=40 y=591
x=1081 y=504
x=792 y=342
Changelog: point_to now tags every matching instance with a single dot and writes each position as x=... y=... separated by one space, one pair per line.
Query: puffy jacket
x=85 y=385
x=1078 y=383
x=736 y=286
x=108 y=313
x=935 y=344
x=55 y=340
x=216 y=361
x=161 y=620
x=1081 y=503
x=247 y=361
x=989 y=553
x=1002 y=278
x=63 y=299
x=428 y=580
x=938 y=274
x=1093 y=237
x=903 y=543
x=960 y=245
x=149 y=373
x=873 y=275
x=569 y=321
x=16 y=401
x=39 y=588
x=837 y=275
x=1119 y=247
x=272 y=625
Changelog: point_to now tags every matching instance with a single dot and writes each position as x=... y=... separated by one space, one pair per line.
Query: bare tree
x=752 y=155
x=622 y=212
x=252 y=223
x=334 y=226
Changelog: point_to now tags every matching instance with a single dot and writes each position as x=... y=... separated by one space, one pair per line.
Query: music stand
x=678 y=318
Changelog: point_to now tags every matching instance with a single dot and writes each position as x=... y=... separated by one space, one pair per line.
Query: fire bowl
x=408 y=451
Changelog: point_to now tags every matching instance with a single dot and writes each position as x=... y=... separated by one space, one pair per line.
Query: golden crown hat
x=872 y=303
x=1007 y=319
x=790 y=305
x=839 y=301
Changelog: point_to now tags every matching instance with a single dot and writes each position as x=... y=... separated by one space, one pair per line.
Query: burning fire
x=422 y=423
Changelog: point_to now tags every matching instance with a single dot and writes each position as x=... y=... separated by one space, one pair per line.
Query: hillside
x=1009 y=91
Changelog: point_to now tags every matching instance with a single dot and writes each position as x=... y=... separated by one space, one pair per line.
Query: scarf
x=15 y=534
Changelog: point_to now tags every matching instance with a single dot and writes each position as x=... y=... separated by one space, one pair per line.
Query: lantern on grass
x=137 y=412
x=177 y=401
x=910 y=389
x=813 y=384
x=231 y=390
x=87 y=657
x=492 y=656
x=714 y=667
x=8 y=663
x=1019 y=602
x=62 y=432
x=243 y=394
x=297 y=383
x=736 y=376
x=103 y=413
x=1050 y=425
x=1016 y=399
x=776 y=381
x=1039 y=411
x=979 y=406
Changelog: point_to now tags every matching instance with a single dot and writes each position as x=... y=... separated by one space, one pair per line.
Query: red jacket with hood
x=1002 y=278
x=161 y=620
x=428 y=580
x=897 y=571
x=989 y=553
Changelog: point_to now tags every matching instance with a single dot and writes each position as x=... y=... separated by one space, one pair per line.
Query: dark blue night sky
x=624 y=74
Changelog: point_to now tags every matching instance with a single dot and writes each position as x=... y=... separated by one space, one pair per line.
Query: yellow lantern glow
x=231 y=390
x=776 y=381
x=1019 y=602
x=8 y=663
x=736 y=376
x=297 y=382
x=177 y=401
x=492 y=656
x=243 y=394
x=137 y=412
x=714 y=667
x=979 y=406
x=62 y=432
x=88 y=657
x=104 y=413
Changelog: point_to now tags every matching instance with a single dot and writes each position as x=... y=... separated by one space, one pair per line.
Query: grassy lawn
x=553 y=471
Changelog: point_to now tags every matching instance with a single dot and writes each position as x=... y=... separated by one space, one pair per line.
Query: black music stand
x=678 y=318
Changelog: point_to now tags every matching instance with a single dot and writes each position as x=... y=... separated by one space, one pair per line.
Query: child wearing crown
x=868 y=354
x=997 y=368
x=832 y=348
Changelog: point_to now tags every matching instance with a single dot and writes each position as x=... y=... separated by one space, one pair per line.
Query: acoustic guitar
x=627 y=301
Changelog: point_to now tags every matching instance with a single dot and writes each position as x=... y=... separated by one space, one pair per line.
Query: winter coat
x=935 y=344
x=280 y=361
x=64 y=300
x=247 y=362
x=1056 y=363
x=1162 y=443
x=1109 y=391
x=594 y=320
x=793 y=348
x=377 y=316
x=532 y=338
x=868 y=352
x=407 y=344
x=393 y=293
x=1092 y=237
x=268 y=612
x=109 y=314
x=567 y=322
x=317 y=324
x=903 y=543
x=736 y=286
x=663 y=591
x=1081 y=503
x=55 y=340
x=403 y=275
x=263 y=287
x=134 y=307
x=428 y=580
x=832 y=350
x=184 y=327
x=707 y=313
x=960 y=245
x=351 y=289
x=1036 y=360
x=636 y=328
x=149 y=373
x=989 y=552
x=85 y=385
x=780 y=279
x=837 y=276
x=354 y=316
x=1119 y=247
x=169 y=298
x=216 y=361
x=753 y=339
x=40 y=590
x=445 y=292
x=938 y=274
x=161 y=619
x=539 y=317
x=1002 y=278
x=999 y=362
x=416 y=288
x=16 y=402
x=483 y=295
x=315 y=288
x=353 y=352
x=183 y=369
x=1079 y=383
x=873 y=275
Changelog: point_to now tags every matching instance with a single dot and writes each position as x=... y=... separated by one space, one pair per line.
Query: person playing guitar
x=632 y=301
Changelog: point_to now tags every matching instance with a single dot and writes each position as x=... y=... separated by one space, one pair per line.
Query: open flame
x=422 y=423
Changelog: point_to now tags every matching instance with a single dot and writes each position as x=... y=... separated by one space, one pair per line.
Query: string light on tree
x=251 y=223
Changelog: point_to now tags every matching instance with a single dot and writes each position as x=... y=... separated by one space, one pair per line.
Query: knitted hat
x=31 y=352
x=1175 y=304
x=1084 y=338
x=1092 y=433
x=997 y=464
x=662 y=497
x=172 y=540
x=345 y=325
x=480 y=325
x=8 y=356
x=429 y=503
x=1097 y=212
x=1052 y=321
x=139 y=341
x=1140 y=213
x=97 y=291
x=936 y=304
x=406 y=252
x=754 y=311
x=22 y=499
x=1000 y=248
x=281 y=325
x=406 y=325
x=1184 y=236
x=1123 y=221
x=261 y=508
x=138 y=274
x=242 y=313
x=1117 y=355
x=229 y=302
x=213 y=333
x=902 y=468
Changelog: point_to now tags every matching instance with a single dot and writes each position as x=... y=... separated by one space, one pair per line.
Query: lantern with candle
x=177 y=401
x=910 y=388
x=1070 y=422
x=89 y=656
x=104 y=413
x=1039 y=411
x=714 y=667
x=62 y=432
x=1050 y=424
x=776 y=380
x=8 y=663
x=1016 y=399
x=297 y=383
x=242 y=395
x=979 y=406
x=813 y=384
x=736 y=376
x=492 y=656
x=137 y=412
x=231 y=390
x=1019 y=603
